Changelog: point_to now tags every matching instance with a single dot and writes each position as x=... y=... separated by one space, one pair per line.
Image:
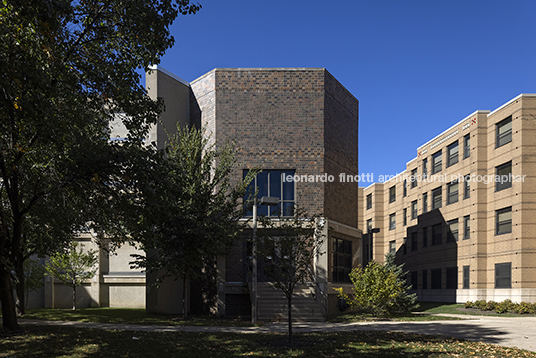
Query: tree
x=293 y=244
x=405 y=302
x=195 y=214
x=34 y=274
x=73 y=267
x=68 y=69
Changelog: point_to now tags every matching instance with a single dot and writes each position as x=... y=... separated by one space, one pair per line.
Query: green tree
x=405 y=302
x=68 y=69
x=73 y=267
x=292 y=243
x=195 y=213
x=34 y=274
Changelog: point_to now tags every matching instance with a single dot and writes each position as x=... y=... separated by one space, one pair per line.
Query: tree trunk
x=9 y=315
x=21 y=296
x=184 y=299
x=290 y=318
x=74 y=297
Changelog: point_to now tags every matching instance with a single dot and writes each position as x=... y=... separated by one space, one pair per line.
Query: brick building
x=462 y=215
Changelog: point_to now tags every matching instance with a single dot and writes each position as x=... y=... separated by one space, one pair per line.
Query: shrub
x=522 y=308
x=491 y=305
x=480 y=304
x=469 y=304
x=505 y=306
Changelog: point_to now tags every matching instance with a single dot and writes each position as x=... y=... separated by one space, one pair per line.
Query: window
x=342 y=260
x=424 y=202
x=424 y=168
x=392 y=194
x=414 y=276
x=452 y=233
x=503 y=275
x=414 y=178
x=424 y=236
x=452 y=154
x=405 y=214
x=392 y=221
x=466 y=273
x=452 y=193
x=414 y=241
x=504 y=176
x=272 y=183
x=392 y=247
x=467 y=187
x=436 y=279
x=504 y=132
x=504 y=221
x=466 y=146
x=369 y=201
x=405 y=191
x=436 y=198
x=466 y=227
x=424 y=279
x=452 y=277
x=437 y=235
x=414 y=209
x=436 y=162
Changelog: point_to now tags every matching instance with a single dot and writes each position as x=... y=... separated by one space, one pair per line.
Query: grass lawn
x=459 y=308
x=49 y=341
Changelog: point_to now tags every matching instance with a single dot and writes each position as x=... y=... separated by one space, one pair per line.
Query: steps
x=272 y=305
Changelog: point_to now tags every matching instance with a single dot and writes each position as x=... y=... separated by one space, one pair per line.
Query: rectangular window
x=424 y=279
x=504 y=132
x=503 y=221
x=452 y=277
x=504 y=176
x=342 y=260
x=467 y=187
x=452 y=154
x=392 y=194
x=405 y=192
x=437 y=234
x=414 y=178
x=452 y=230
x=424 y=236
x=436 y=198
x=466 y=227
x=414 y=241
x=503 y=275
x=424 y=168
x=405 y=218
x=466 y=273
x=392 y=221
x=414 y=209
x=436 y=279
x=467 y=146
x=436 y=162
x=452 y=193
x=369 y=201
x=392 y=247
x=414 y=276
x=271 y=183
x=424 y=202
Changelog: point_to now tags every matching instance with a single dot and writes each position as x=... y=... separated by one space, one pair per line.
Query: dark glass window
x=504 y=132
x=405 y=190
x=466 y=277
x=452 y=233
x=342 y=260
x=369 y=201
x=467 y=186
x=392 y=194
x=504 y=221
x=414 y=277
x=436 y=162
x=466 y=146
x=424 y=236
x=405 y=218
x=414 y=209
x=392 y=221
x=436 y=279
x=424 y=168
x=414 y=241
x=452 y=277
x=436 y=198
x=452 y=193
x=414 y=178
x=274 y=183
x=392 y=247
x=437 y=234
x=466 y=227
x=503 y=275
x=504 y=176
x=424 y=279
x=452 y=154
x=424 y=202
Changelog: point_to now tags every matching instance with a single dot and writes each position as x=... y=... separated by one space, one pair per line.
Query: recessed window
x=504 y=176
x=452 y=232
x=436 y=279
x=342 y=260
x=414 y=241
x=436 y=198
x=452 y=154
x=392 y=194
x=272 y=183
x=424 y=202
x=467 y=187
x=504 y=132
x=392 y=221
x=466 y=227
x=436 y=162
x=424 y=168
x=424 y=279
x=437 y=234
x=369 y=201
x=466 y=146
x=405 y=190
x=414 y=276
x=503 y=275
x=466 y=273
x=452 y=277
x=414 y=209
x=424 y=236
x=392 y=246
x=503 y=221
x=414 y=178
x=405 y=217
x=452 y=193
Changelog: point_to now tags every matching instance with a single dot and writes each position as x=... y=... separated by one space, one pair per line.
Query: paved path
x=505 y=331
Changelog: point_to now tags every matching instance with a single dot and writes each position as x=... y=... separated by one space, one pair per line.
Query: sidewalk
x=517 y=332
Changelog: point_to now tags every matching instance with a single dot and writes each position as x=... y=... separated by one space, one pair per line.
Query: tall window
x=504 y=176
x=424 y=202
x=405 y=190
x=414 y=275
x=436 y=279
x=452 y=277
x=503 y=275
x=452 y=193
x=436 y=162
x=425 y=236
x=437 y=234
x=452 y=154
x=414 y=209
x=466 y=227
x=392 y=194
x=392 y=221
x=342 y=260
x=467 y=186
x=466 y=146
x=466 y=273
x=392 y=247
x=452 y=233
x=414 y=178
x=414 y=241
x=424 y=168
x=424 y=279
x=405 y=218
x=272 y=183
x=504 y=132
x=436 y=198
x=369 y=201
x=503 y=221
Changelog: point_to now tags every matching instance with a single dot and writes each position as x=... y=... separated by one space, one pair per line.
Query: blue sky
x=416 y=66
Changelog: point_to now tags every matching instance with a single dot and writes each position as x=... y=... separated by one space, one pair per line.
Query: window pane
x=504 y=174
x=504 y=221
x=503 y=275
x=504 y=132
x=436 y=162
x=288 y=187
x=466 y=273
x=436 y=198
x=467 y=146
x=452 y=193
x=275 y=184
x=452 y=154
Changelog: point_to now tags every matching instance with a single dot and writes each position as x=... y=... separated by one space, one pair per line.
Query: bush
x=480 y=304
x=491 y=305
x=469 y=304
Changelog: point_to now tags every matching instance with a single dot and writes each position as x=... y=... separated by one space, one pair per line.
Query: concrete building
x=462 y=215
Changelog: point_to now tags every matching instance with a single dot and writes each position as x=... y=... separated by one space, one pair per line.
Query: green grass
x=49 y=341
x=459 y=308
x=130 y=316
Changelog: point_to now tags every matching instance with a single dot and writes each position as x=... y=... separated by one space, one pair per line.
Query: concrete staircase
x=272 y=304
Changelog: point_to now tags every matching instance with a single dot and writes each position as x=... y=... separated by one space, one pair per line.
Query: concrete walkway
x=505 y=331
